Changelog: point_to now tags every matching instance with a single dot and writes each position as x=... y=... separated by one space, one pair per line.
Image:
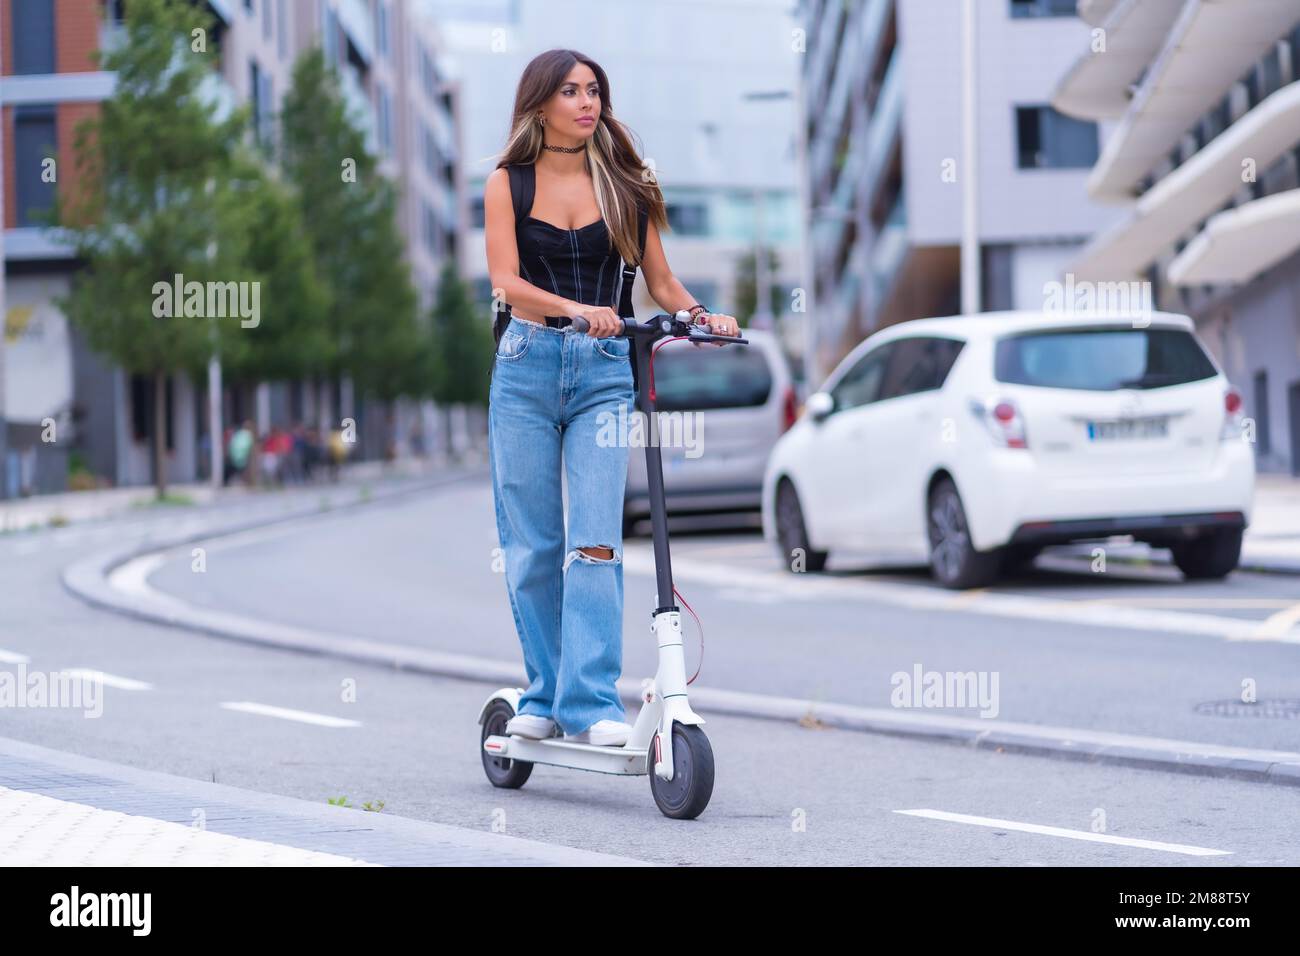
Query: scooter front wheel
x=501 y=771
x=686 y=795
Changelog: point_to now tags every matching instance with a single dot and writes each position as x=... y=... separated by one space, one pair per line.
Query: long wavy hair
x=623 y=183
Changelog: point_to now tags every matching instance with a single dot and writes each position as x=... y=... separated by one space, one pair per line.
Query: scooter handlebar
x=664 y=326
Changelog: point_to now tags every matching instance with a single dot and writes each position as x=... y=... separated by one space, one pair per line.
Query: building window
x=428 y=74
x=430 y=153
x=381 y=28
x=266 y=135
x=477 y=213
x=33 y=21
x=330 y=36
x=255 y=98
x=1294 y=43
x=688 y=218
x=430 y=229
x=1270 y=71
x=35 y=140
x=385 y=120
x=1046 y=139
x=1262 y=444
x=266 y=19
x=1043 y=8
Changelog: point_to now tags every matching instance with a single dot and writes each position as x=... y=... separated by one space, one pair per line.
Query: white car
x=972 y=442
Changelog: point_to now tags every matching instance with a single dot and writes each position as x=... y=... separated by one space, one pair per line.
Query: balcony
x=354 y=18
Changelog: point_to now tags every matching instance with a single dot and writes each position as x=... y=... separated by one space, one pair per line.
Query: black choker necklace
x=563 y=149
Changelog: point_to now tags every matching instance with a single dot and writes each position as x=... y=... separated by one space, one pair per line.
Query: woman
x=552 y=389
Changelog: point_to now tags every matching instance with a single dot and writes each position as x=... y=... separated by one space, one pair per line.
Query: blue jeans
x=557 y=395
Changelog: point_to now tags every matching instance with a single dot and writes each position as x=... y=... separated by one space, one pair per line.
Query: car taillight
x=789 y=409
x=1002 y=419
x=1234 y=414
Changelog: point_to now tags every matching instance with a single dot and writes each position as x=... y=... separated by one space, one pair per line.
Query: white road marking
x=1183 y=848
x=13 y=657
x=1278 y=625
x=108 y=680
x=285 y=713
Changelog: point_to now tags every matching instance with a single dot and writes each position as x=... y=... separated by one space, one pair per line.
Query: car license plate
x=1125 y=428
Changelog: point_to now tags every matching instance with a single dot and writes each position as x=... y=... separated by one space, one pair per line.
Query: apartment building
x=1201 y=101
x=882 y=92
x=390 y=65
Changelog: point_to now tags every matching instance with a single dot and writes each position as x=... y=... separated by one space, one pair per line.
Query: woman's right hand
x=603 y=320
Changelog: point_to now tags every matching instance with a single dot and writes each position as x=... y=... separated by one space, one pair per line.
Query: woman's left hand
x=719 y=324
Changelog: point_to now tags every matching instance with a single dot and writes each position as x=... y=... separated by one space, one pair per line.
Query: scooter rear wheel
x=501 y=771
x=686 y=795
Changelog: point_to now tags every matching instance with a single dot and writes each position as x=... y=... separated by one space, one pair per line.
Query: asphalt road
x=420 y=571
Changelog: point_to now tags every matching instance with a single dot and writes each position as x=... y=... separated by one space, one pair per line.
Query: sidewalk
x=39 y=511
x=1271 y=543
x=61 y=809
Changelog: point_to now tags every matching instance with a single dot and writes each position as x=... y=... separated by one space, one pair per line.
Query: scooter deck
x=621 y=761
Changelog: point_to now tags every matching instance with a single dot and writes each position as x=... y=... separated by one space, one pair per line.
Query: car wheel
x=953 y=559
x=1212 y=555
x=791 y=534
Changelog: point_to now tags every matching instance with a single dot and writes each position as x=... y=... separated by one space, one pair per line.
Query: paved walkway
x=61 y=809
x=40 y=511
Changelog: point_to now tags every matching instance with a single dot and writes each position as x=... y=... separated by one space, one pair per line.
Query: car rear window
x=689 y=377
x=1102 y=359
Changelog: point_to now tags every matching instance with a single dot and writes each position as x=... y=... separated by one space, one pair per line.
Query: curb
x=381 y=838
x=88 y=579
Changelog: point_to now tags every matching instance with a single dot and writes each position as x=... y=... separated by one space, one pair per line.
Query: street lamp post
x=216 y=451
x=970 y=246
x=4 y=472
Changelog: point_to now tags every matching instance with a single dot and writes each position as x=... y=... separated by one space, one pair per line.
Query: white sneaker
x=531 y=726
x=603 y=733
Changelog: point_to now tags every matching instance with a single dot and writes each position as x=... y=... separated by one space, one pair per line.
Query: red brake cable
x=697 y=624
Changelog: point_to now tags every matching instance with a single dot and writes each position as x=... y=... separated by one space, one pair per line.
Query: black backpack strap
x=523 y=183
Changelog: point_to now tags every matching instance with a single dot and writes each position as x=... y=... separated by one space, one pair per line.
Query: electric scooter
x=681 y=773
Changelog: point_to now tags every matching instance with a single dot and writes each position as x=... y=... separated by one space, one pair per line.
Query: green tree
x=349 y=215
x=461 y=348
x=153 y=185
x=289 y=340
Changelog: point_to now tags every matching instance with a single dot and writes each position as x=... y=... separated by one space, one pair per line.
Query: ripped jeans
x=552 y=398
